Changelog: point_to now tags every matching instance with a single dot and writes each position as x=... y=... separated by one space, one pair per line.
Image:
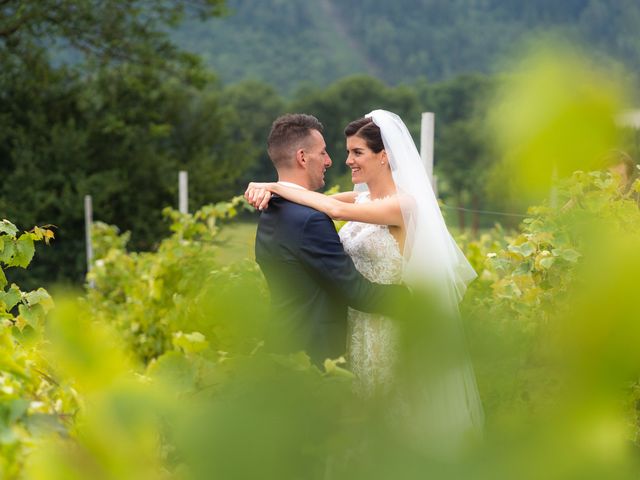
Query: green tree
x=120 y=135
x=118 y=124
x=112 y=30
x=280 y=42
x=256 y=105
x=462 y=154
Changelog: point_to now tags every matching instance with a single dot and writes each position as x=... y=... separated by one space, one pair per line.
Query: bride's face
x=364 y=163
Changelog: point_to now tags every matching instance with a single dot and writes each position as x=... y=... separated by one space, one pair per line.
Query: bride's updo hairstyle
x=368 y=131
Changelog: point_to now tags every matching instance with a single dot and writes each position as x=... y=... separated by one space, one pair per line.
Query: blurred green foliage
x=572 y=129
x=151 y=298
x=33 y=399
x=167 y=376
x=552 y=326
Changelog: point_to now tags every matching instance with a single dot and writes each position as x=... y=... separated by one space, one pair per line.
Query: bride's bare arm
x=258 y=196
x=382 y=212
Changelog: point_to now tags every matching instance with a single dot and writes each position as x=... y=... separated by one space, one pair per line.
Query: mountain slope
x=288 y=42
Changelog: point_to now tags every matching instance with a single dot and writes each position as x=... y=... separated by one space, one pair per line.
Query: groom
x=311 y=278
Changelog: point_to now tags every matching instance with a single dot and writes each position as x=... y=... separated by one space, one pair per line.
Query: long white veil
x=433 y=262
x=431 y=255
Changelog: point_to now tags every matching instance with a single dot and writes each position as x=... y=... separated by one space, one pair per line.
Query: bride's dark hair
x=368 y=131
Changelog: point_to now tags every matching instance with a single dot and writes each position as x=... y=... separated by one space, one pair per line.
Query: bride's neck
x=382 y=187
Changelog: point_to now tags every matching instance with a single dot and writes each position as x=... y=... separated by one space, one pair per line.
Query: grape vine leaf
x=10 y=298
x=174 y=370
x=9 y=228
x=7 y=252
x=39 y=297
x=24 y=251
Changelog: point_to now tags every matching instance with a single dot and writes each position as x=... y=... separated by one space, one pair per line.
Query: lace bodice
x=374 y=251
x=372 y=338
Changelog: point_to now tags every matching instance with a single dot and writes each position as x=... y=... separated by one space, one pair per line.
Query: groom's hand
x=257 y=195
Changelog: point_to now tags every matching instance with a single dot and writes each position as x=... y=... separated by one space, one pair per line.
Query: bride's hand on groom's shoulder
x=258 y=195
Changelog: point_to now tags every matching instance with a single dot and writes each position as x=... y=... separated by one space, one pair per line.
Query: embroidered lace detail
x=372 y=338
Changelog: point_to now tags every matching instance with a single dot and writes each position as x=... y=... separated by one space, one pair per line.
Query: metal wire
x=490 y=212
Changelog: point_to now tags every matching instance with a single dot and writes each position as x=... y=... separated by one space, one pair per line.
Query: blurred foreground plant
x=555 y=113
x=33 y=399
x=183 y=286
x=556 y=367
x=553 y=324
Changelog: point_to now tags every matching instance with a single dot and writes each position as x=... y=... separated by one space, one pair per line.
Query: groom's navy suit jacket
x=312 y=281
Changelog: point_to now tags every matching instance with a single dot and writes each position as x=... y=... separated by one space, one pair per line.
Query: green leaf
x=523 y=268
x=8 y=363
x=7 y=227
x=514 y=249
x=571 y=255
x=547 y=262
x=41 y=297
x=603 y=184
x=3 y=279
x=332 y=368
x=567 y=254
x=297 y=361
x=7 y=252
x=31 y=315
x=500 y=264
x=175 y=371
x=43 y=424
x=17 y=408
x=11 y=298
x=24 y=251
x=527 y=248
x=190 y=342
x=37 y=233
x=509 y=290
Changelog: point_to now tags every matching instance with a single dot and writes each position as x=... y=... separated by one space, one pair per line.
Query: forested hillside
x=288 y=42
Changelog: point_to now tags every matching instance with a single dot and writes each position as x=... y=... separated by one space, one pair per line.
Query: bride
x=396 y=233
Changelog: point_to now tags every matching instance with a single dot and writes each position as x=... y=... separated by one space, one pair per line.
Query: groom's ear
x=300 y=158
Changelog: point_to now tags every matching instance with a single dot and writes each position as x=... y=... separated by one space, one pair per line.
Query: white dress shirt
x=292 y=185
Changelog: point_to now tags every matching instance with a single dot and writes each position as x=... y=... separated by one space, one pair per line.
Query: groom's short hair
x=289 y=133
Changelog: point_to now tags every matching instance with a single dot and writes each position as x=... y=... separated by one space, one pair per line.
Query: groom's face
x=317 y=160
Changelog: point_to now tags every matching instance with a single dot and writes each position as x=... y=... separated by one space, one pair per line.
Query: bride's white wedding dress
x=434 y=412
x=433 y=394
x=372 y=338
